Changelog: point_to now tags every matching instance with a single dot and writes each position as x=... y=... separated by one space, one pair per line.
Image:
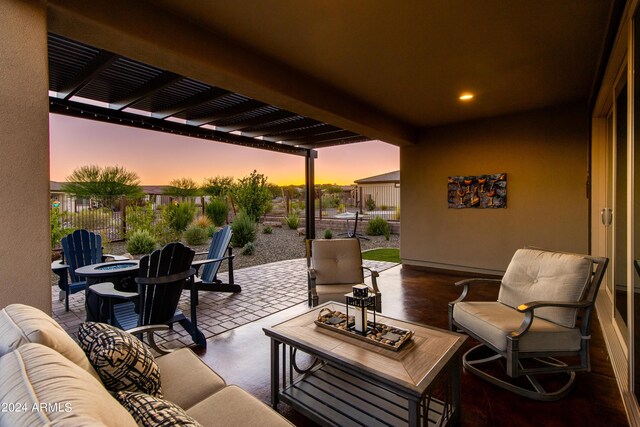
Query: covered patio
x=408 y=294
x=548 y=78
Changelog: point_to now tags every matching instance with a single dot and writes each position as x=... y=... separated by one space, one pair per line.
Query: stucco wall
x=25 y=254
x=545 y=156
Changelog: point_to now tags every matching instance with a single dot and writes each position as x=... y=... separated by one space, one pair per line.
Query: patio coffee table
x=353 y=382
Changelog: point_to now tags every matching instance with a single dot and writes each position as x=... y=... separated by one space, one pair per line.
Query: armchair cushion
x=331 y=292
x=52 y=390
x=337 y=261
x=148 y=410
x=22 y=324
x=494 y=321
x=123 y=362
x=536 y=275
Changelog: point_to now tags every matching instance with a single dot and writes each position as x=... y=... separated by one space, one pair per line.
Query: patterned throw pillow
x=154 y=412
x=123 y=362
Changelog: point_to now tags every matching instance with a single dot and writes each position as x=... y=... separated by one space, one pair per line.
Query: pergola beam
x=98 y=64
x=147 y=90
x=195 y=101
x=92 y=112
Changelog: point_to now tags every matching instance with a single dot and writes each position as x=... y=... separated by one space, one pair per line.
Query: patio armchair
x=162 y=276
x=334 y=266
x=539 y=325
x=207 y=280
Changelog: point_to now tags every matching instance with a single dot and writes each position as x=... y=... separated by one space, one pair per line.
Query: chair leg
x=537 y=392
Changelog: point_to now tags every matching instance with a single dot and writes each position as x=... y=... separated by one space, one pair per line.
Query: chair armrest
x=201 y=253
x=467 y=282
x=108 y=290
x=374 y=275
x=201 y=262
x=476 y=280
x=149 y=330
x=528 y=310
x=312 y=273
x=530 y=306
x=166 y=279
x=115 y=257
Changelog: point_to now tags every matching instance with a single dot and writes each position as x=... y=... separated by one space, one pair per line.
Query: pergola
x=95 y=84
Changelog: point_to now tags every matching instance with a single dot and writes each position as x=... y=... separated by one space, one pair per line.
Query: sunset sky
x=159 y=157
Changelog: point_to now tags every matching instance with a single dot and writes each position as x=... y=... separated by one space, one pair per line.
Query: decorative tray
x=386 y=336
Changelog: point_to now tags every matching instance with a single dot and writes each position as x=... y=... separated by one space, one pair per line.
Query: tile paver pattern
x=266 y=289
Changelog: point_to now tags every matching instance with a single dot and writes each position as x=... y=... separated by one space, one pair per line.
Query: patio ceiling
x=97 y=84
x=387 y=70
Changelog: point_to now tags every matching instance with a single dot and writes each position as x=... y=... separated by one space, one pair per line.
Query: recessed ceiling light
x=466 y=97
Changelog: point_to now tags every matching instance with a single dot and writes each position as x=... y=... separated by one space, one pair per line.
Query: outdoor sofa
x=48 y=380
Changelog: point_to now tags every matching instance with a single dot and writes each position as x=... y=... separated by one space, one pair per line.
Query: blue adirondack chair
x=80 y=248
x=162 y=276
x=207 y=280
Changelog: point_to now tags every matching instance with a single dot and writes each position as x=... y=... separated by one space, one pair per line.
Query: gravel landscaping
x=282 y=244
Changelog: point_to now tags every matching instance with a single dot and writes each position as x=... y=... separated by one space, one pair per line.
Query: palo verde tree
x=103 y=184
x=219 y=187
x=184 y=188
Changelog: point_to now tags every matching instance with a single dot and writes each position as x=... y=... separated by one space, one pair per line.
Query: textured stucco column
x=25 y=254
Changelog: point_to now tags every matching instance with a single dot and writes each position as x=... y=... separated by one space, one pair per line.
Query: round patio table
x=121 y=273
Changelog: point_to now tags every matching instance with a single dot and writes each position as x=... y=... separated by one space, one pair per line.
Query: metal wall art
x=481 y=192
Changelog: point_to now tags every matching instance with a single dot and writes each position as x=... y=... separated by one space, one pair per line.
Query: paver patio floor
x=266 y=289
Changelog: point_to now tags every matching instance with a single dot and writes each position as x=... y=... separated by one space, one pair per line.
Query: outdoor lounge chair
x=162 y=276
x=207 y=280
x=80 y=248
x=334 y=266
x=543 y=313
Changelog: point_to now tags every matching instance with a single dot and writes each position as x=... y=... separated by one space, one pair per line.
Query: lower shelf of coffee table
x=333 y=397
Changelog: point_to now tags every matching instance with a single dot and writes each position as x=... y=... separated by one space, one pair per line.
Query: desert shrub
x=140 y=242
x=249 y=249
x=244 y=230
x=211 y=230
x=342 y=208
x=384 y=207
x=379 y=227
x=165 y=234
x=370 y=204
x=58 y=227
x=202 y=222
x=292 y=220
x=178 y=216
x=217 y=211
x=328 y=234
x=252 y=195
x=195 y=235
x=267 y=229
x=140 y=218
x=397 y=214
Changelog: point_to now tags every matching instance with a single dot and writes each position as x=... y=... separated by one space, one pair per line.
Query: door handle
x=606 y=215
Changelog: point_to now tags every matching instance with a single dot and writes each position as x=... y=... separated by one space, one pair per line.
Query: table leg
x=414 y=412
x=455 y=389
x=275 y=372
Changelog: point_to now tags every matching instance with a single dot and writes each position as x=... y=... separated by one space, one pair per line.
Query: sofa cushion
x=54 y=391
x=152 y=411
x=21 y=324
x=186 y=380
x=536 y=275
x=123 y=362
x=233 y=406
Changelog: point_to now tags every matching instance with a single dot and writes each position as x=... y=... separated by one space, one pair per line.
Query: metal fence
x=111 y=222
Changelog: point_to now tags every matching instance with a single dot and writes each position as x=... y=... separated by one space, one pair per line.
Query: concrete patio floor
x=266 y=289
